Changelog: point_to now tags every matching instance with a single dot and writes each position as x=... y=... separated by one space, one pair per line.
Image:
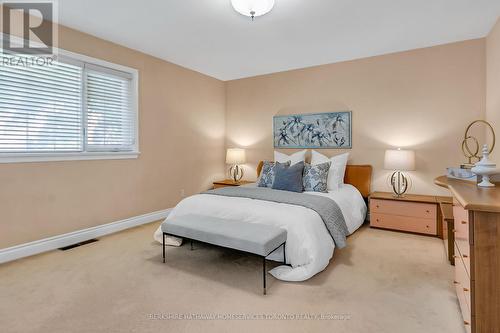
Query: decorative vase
x=485 y=168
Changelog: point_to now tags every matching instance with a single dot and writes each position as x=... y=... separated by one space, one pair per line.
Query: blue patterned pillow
x=316 y=176
x=267 y=174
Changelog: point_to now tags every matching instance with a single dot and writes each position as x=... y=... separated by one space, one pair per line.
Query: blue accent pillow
x=267 y=173
x=289 y=178
x=316 y=177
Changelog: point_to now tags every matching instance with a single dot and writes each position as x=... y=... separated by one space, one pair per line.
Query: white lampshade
x=402 y=160
x=253 y=8
x=235 y=156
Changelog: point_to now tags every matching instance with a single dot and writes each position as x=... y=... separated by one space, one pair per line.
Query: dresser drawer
x=461 y=232
x=464 y=308
x=404 y=223
x=462 y=251
x=403 y=208
x=463 y=295
x=461 y=217
x=462 y=277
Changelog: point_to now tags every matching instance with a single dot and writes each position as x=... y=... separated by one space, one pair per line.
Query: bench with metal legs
x=264 y=272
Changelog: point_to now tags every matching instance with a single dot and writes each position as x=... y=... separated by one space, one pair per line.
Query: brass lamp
x=399 y=160
x=235 y=157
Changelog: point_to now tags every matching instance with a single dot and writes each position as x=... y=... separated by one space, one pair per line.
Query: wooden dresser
x=476 y=214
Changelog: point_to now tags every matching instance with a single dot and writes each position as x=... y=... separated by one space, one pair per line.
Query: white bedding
x=309 y=246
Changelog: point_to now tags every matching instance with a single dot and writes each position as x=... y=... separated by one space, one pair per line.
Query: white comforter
x=309 y=246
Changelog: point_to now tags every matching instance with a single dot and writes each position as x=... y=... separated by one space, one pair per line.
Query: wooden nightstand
x=411 y=213
x=230 y=182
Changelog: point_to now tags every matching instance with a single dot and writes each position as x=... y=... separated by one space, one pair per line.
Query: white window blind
x=70 y=106
x=110 y=122
x=40 y=108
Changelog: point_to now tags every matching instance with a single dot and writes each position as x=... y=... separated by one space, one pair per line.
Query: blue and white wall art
x=315 y=130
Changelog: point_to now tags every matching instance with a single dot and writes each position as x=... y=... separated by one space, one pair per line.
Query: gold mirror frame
x=465 y=146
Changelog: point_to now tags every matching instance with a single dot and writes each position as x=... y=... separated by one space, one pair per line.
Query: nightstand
x=411 y=213
x=230 y=182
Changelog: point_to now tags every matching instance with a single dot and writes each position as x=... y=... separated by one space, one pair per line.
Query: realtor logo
x=28 y=27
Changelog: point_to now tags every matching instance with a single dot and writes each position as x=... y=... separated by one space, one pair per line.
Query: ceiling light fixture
x=253 y=8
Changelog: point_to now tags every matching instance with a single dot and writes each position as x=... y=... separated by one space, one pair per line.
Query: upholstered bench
x=258 y=239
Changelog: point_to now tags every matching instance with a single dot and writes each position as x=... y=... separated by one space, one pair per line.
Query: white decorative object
x=485 y=168
x=253 y=8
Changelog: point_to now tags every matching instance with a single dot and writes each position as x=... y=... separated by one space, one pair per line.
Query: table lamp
x=235 y=157
x=399 y=160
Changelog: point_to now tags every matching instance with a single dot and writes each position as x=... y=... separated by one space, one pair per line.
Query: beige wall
x=493 y=85
x=182 y=116
x=421 y=99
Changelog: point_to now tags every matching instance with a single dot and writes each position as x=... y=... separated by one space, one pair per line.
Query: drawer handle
x=455 y=256
x=465 y=289
x=464 y=222
x=454 y=230
x=377 y=206
x=465 y=256
x=466 y=323
x=427 y=211
x=455 y=282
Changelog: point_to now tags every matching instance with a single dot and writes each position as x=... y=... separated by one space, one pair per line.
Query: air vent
x=69 y=247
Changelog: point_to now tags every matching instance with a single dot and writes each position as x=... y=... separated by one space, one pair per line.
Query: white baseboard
x=52 y=243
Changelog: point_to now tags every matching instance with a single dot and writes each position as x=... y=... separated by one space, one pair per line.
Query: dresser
x=476 y=214
x=411 y=213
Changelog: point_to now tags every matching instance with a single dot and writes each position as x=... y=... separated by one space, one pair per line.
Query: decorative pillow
x=266 y=178
x=288 y=178
x=316 y=177
x=337 y=168
x=294 y=158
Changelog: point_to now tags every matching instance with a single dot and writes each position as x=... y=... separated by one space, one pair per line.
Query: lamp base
x=400 y=184
x=236 y=172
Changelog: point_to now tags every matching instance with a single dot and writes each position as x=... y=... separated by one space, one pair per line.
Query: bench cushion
x=255 y=238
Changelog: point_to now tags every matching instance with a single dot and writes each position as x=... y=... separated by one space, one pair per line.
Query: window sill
x=54 y=157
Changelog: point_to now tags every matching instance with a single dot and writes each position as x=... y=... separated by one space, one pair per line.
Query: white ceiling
x=210 y=37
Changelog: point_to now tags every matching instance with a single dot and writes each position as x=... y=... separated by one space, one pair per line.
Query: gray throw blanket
x=326 y=208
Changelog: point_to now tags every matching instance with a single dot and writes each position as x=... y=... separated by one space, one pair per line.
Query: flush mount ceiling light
x=253 y=8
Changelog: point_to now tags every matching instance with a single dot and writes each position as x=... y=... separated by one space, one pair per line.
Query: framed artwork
x=313 y=130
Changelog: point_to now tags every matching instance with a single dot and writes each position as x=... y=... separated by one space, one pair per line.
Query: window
x=75 y=108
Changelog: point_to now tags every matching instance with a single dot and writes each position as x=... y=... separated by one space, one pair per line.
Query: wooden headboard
x=359 y=176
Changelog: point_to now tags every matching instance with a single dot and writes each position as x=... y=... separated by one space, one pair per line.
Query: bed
x=309 y=246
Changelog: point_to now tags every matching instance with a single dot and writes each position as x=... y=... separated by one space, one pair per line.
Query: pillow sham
x=294 y=158
x=288 y=178
x=337 y=168
x=266 y=178
x=316 y=177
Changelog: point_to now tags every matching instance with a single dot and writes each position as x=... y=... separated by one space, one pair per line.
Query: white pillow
x=294 y=158
x=337 y=168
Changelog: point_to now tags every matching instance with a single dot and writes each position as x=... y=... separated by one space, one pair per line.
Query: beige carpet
x=382 y=282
